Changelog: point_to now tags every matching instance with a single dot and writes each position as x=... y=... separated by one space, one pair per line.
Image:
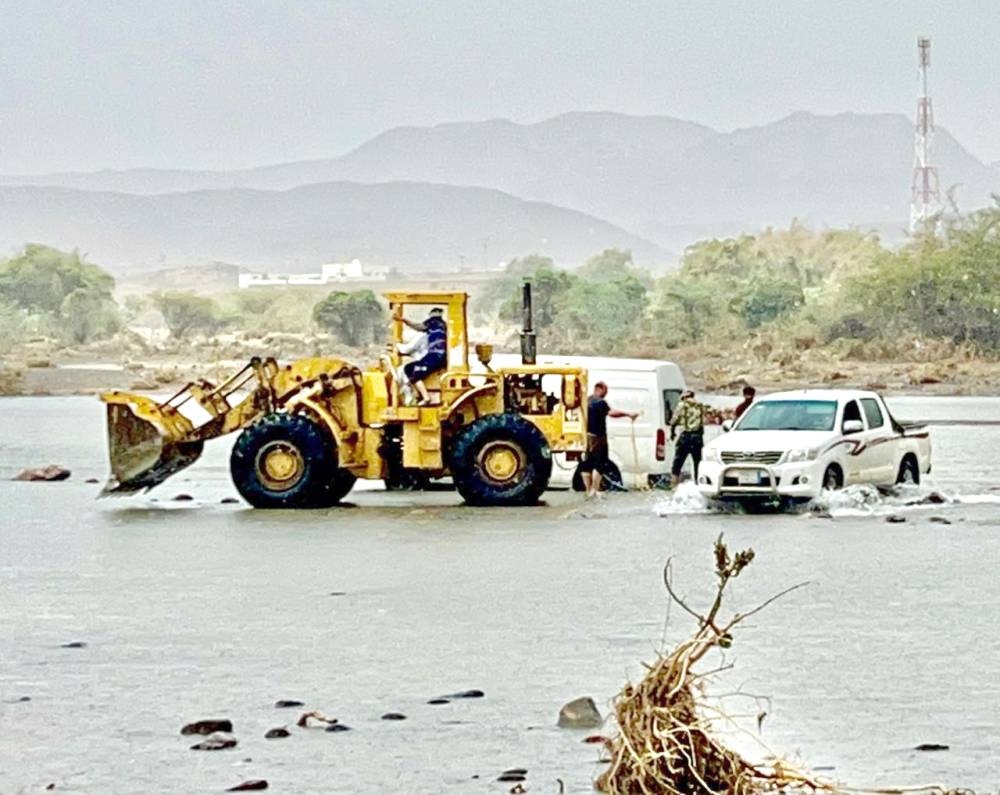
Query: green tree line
x=817 y=286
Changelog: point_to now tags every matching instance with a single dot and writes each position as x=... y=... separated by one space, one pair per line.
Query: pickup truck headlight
x=712 y=454
x=801 y=455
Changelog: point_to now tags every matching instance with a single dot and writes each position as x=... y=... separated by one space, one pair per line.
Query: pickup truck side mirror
x=727 y=425
x=853 y=426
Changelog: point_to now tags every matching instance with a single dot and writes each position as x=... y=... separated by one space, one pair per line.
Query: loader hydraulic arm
x=148 y=441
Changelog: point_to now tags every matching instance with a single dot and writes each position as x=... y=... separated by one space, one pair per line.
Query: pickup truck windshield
x=789 y=415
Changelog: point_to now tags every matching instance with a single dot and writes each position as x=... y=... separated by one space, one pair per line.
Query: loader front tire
x=502 y=460
x=288 y=461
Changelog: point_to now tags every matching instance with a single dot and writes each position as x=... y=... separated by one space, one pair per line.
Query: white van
x=641 y=452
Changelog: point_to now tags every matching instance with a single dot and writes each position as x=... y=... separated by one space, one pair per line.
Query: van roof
x=599 y=362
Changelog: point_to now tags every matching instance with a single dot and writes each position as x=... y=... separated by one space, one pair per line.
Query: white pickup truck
x=791 y=446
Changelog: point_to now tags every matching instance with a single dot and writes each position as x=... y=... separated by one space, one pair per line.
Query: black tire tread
x=908 y=462
x=324 y=484
x=477 y=491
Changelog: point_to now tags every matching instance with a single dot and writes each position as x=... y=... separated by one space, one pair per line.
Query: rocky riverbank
x=929 y=370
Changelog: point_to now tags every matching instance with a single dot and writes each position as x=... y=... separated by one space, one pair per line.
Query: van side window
x=671 y=397
x=872 y=412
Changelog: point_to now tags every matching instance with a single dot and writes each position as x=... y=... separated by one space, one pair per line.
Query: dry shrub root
x=665 y=741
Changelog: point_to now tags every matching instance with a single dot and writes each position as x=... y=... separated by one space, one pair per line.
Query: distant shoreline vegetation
x=784 y=287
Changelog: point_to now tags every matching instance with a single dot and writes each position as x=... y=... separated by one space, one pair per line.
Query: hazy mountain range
x=404 y=224
x=657 y=182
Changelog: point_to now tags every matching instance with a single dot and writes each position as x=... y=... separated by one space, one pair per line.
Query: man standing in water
x=598 y=412
x=691 y=417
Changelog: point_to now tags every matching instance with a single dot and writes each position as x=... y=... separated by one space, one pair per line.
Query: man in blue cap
x=435 y=359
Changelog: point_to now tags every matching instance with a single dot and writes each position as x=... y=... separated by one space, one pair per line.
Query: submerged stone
x=394 y=716
x=285 y=703
x=215 y=742
x=466 y=694
x=208 y=726
x=247 y=786
x=932 y=747
x=275 y=734
x=50 y=473
x=581 y=713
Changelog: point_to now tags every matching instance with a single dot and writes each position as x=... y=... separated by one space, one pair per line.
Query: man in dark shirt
x=598 y=412
x=436 y=357
x=748 y=395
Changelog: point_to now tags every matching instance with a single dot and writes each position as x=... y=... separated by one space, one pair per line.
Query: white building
x=331 y=272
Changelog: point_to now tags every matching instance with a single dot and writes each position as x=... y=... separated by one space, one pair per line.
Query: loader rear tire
x=502 y=460
x=288 y=461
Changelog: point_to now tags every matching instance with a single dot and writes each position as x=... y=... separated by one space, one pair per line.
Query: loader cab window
x=671 y=397
x=872 y=412
x=528 y=394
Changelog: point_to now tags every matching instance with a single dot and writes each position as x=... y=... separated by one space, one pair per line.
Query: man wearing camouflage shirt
x=690 y=416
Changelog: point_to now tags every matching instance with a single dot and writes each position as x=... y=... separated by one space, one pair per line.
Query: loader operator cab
x=413 y=305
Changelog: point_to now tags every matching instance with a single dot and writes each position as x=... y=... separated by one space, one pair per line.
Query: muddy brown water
x=194 y=610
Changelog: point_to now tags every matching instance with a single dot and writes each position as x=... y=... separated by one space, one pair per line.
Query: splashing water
x=685 y=499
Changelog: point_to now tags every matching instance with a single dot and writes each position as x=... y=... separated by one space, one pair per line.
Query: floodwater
x=194 y=610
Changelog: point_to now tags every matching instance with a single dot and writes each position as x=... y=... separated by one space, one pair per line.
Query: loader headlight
x=801 y=454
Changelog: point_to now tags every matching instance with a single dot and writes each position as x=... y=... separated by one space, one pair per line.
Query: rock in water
x=337 y=727
x=215 y=742
x=49 y=473
x=247 y=786
x=183 y=498
x=285 y=703
x=895 y=519
x=208 y=726
x=276 y=734
x=932 y=747
x=940 y=520
x=581 y=713
x=394 y=716
x=314 y=720
x=465 y=694
x=74 y=644
x=228 y=501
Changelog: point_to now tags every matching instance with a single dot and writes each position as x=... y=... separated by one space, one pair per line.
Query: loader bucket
x=145 y=446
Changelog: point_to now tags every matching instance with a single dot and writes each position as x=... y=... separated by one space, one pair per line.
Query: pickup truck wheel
x=611 y=478
x=501 y=459
x=288 y=461
x=833 y=478
x=909 y=472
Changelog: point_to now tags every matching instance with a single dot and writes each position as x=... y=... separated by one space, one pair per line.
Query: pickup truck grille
x=767 y=458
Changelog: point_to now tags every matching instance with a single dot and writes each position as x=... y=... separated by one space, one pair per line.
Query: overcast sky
x=169 y=84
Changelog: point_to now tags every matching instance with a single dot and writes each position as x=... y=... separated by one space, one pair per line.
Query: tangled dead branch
x=665 y=742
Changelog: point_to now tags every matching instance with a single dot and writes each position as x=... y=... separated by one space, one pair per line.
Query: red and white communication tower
x=925 y=198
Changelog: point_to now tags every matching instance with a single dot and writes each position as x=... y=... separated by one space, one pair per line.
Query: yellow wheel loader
x=309 y=429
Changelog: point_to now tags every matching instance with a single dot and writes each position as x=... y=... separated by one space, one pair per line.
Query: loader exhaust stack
x=528 y=340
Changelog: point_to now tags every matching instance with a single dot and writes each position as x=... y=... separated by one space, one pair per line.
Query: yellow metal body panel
x=422 y=441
